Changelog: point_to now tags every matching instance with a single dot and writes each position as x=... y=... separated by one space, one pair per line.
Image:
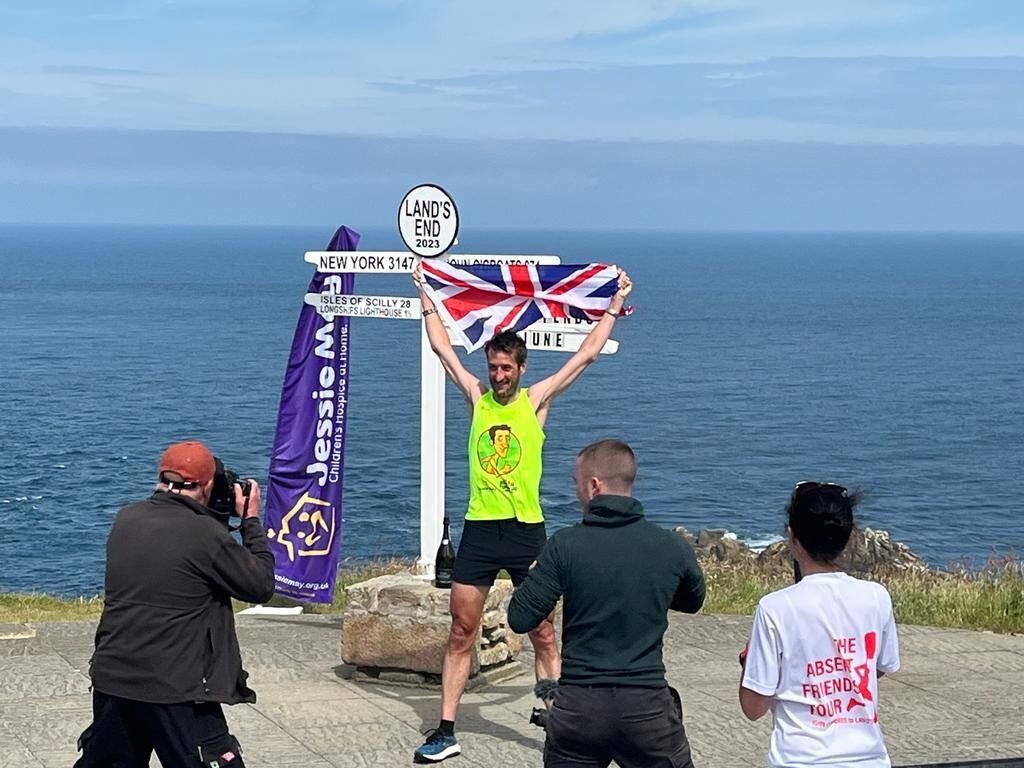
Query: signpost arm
x=432 y=381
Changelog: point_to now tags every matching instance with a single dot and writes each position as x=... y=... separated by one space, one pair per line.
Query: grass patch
x=17 y=608
x=348 y=573
x=737 y=588
x=990 y=598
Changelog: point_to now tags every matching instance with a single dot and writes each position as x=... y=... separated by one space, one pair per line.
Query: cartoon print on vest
x=498 y=450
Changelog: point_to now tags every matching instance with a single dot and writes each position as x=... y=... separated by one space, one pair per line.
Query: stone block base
x=408 y=679
x=396 y=628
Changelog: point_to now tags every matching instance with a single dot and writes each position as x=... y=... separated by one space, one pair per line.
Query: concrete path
x=960 y=696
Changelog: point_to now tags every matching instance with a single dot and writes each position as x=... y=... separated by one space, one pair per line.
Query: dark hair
x=611 y=460
x=821 y=518
x=510 y=343
x=498 y=428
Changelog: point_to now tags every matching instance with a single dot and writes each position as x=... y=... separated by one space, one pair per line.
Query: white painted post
x=432 y=382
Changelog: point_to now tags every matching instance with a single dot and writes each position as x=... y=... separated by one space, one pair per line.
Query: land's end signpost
x=428 y=222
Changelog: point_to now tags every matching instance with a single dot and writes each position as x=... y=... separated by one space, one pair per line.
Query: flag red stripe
x=579 y=277
x=556 y=309
x=465 y=302
x=522 y=280
x=446 y=276
x=509 y=318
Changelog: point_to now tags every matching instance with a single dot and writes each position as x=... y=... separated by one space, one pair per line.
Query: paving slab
x=959 y=696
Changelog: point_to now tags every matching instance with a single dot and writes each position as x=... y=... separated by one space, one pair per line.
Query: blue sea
x=889 y=362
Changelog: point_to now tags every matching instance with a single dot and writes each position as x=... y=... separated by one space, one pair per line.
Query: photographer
x=166 y=652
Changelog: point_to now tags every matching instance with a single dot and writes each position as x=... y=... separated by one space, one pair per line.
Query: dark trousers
x=124 y=733
x=635 y=727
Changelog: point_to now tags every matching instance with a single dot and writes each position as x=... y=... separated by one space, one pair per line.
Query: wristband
x=431 y=311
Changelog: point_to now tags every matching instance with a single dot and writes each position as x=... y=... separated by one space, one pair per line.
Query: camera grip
x=246 y=488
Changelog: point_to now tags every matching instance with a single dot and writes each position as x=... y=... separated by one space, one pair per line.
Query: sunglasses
x=806 y=486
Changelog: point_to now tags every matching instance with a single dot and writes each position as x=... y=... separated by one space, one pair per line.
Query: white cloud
x=651 y=68
x=735 y=75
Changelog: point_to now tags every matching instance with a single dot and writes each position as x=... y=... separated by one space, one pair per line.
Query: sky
x=707 y=114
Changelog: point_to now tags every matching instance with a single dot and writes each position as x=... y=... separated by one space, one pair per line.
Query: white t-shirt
x=817 y=648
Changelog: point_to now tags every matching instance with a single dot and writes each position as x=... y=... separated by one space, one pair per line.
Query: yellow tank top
x=505 y=443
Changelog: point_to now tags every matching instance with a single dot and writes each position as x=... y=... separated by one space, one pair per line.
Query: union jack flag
x=479 y=301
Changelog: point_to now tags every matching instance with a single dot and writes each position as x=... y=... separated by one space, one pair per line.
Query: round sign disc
x=428 y=220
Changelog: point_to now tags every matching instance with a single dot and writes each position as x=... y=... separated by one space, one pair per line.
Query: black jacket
x=619 y=575
x=167 y=633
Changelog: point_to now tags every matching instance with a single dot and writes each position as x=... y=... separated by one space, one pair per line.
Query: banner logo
x=313 y=532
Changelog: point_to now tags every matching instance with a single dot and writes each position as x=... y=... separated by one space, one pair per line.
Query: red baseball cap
x=190 y=460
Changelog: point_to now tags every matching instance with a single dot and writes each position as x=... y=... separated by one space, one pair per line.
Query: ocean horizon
x=887 y=361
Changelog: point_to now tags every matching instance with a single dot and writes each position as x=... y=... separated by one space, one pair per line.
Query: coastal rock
x=717 y=544
x=869 y=551
x=689 y=538
x=399 y=623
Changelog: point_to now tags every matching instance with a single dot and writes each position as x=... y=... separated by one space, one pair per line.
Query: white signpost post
x=423 y=218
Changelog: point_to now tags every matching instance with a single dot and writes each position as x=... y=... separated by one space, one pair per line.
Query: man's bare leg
x=467 y=605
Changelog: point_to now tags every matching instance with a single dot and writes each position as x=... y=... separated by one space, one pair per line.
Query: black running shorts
x=488 y=546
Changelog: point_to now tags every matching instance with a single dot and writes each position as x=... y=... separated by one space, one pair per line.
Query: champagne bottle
x=444 y=563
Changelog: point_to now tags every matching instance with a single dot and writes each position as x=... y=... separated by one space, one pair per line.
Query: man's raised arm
x=546 y=390
x=467 y=383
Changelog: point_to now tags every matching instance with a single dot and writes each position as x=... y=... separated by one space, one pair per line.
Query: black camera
x=539 y=717
x=222 y=495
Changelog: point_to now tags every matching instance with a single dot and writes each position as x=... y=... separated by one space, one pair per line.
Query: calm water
x=890 y=362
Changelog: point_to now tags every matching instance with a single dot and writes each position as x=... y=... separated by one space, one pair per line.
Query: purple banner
x=303 y=512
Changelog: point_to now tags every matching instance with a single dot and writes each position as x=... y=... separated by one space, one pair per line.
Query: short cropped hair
x=821 y=519
x=510 y=343
x=611 y=460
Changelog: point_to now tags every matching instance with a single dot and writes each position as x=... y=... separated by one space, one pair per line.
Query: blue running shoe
x=438 y=746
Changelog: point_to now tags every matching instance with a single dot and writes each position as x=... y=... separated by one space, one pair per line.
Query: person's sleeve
x=763 y=669
x=889 y=647
x=245 y=571
x=536 y=597
x=689 y=595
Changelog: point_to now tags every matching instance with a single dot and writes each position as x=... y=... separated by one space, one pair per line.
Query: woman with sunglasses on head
x=818 y=647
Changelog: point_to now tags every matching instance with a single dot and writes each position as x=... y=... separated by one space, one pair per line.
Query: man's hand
x=619 y=299
x=544 y=391
x=417 y=280
x=625 y=286
x=247 y=506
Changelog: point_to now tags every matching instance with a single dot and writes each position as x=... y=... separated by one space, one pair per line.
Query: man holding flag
x=504 y=526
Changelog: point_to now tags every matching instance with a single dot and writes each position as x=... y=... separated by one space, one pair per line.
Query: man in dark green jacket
x=619 y=575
